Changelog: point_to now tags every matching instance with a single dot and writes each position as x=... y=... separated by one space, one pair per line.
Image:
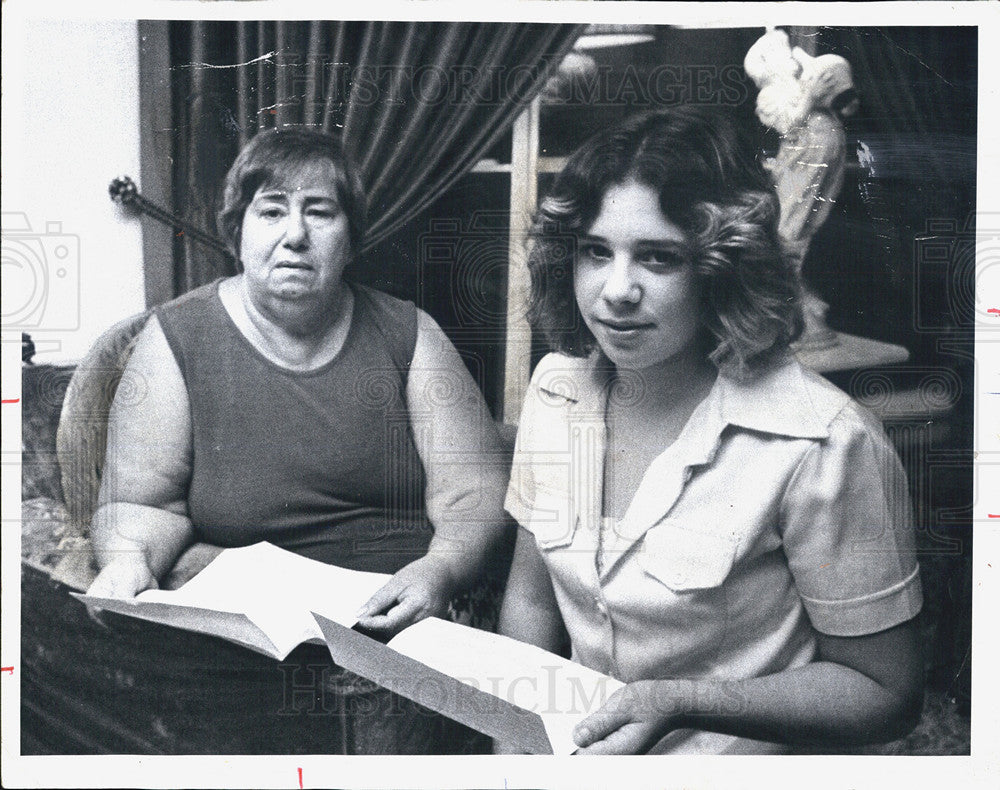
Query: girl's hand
x=632 y=720
x=423 y=588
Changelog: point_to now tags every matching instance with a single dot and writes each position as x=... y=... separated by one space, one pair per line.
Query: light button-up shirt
x=780 y=508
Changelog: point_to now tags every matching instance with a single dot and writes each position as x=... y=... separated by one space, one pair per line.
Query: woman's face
x=634 y=280
x=295 y=241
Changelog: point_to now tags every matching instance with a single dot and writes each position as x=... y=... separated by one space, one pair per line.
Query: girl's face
x=634 y=281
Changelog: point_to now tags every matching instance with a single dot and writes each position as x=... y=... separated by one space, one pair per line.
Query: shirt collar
x=784 y=399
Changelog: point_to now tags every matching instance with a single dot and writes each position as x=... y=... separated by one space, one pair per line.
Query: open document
x=271 y=600
x=509 y=690
x=258 y=596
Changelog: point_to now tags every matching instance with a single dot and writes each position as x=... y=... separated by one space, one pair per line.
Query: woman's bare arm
x=466 y=471
x=141 y=524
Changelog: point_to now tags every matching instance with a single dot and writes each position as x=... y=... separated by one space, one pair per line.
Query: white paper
x=277 y=591
x=561 y=692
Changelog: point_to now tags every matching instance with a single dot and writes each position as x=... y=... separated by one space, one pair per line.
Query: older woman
x=290 y=405
x=700 y=517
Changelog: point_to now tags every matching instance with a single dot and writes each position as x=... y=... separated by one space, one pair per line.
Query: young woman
x=700 y=517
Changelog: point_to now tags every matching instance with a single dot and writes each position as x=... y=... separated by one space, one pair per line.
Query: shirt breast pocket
x=685 y=558
x=553 y=519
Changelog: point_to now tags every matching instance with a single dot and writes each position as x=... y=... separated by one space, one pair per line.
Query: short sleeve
x=544 y=456
x=848 y=533
x=520 y=498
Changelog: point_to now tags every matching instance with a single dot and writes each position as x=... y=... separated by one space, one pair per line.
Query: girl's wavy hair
x=711 y=185
x=270 y=159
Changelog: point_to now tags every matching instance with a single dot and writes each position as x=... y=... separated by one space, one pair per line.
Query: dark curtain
x=418 y=105
x=915 y=178
x=919 y=90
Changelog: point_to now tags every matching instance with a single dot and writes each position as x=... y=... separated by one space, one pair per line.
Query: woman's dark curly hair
x=712 y=187
x=271 y=159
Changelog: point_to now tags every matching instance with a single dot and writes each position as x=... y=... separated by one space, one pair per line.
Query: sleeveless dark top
x=322 y=462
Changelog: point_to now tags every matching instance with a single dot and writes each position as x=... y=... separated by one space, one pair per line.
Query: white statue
x=803 y=98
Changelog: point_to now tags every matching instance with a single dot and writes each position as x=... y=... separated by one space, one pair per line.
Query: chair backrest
x=81 y=441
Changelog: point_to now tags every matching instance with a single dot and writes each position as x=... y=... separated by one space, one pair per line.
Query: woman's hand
x=632 y=721
x=192 y=562
x=142 y=504
x=423 y=588
x=124 y=577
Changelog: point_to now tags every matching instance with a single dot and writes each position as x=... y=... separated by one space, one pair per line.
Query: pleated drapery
x=933 y=118
x=417 y=103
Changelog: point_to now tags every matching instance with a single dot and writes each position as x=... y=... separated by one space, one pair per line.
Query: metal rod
x=124 y=191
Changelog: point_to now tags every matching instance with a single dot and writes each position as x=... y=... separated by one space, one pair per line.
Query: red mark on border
x=994 y=310
x=12 y=400
x=300 y=778
x=990 y=515
x=7 y=669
